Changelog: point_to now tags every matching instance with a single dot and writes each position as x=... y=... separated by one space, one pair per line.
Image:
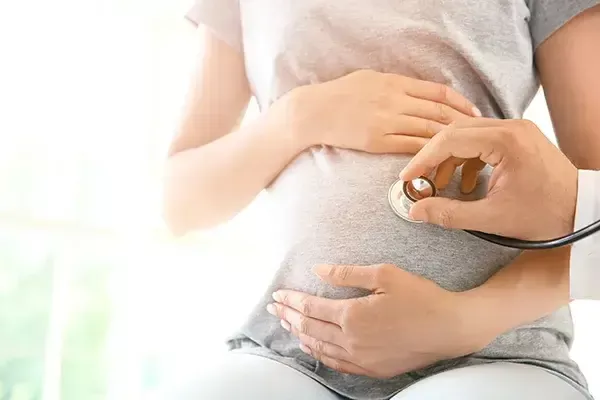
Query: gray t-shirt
x=331 y=204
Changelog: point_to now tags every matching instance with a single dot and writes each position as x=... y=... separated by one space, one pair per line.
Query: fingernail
x=477 y=112
x=286 y=325
x=271 y=309
x=276 y=296
x=305 y=349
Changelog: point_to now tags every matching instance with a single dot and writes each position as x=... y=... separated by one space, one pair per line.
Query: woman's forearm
x=207 y=185
x=533 y=286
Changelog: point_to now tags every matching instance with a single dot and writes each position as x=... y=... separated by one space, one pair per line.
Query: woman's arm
x=214 y=170
x=537 y=283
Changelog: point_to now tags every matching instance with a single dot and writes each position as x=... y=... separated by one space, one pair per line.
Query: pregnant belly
x=333 y=209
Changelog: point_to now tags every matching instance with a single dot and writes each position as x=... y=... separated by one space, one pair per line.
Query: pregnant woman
x=349 y=90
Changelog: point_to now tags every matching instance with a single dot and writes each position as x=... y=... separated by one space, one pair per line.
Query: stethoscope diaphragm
x=403 y=194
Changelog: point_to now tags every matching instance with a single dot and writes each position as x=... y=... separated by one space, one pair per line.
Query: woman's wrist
x=284 y=118
x=273 y=128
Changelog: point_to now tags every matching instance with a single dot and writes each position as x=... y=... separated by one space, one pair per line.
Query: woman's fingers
x=413 y=126
x=320 y=347
x=337 y=364
x=316 y=328
x=470 y=174
x=437 y=93
x=431 y=110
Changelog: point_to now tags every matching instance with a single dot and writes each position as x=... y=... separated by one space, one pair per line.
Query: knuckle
x=461 y=123
x=344 y=272
x=527 y=124
x=369 y=139
x=383 y=273
x=352 y=346
x=318 y=347
x=377 y=125
x=442 y=91
x=403 y=79
x=506 y=136
x=449 y=134
x=383 y=100
x=519 y=122
x=392 y=79
x=284 y=297
x=363 y=73
x=430 y=128
x=305 y=305
x=335 y=364
x=443 y=114
x=348 y=316
x=445 y=218
x=343 y=370
x=316 y=355
x=283 y=313
x=303 y=326
x=294 y=331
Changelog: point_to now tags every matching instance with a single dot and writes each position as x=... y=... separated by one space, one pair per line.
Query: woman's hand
x=372 y=112
x=408 y=322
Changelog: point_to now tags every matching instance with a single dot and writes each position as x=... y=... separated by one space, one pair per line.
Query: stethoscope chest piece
x=403 y=194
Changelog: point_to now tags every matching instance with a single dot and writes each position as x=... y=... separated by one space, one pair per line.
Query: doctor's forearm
x=533 y=286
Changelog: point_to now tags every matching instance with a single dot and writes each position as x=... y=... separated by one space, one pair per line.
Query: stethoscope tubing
x=513 y=243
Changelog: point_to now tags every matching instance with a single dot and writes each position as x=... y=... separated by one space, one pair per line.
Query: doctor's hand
x=532 y=192
x=407 y=323
x=370 y=111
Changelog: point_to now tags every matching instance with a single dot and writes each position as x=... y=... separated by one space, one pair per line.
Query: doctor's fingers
x=488 y=144
x=470 y=173
x=445 y=171
x=480 y=215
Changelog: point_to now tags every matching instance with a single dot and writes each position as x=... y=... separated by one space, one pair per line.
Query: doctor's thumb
x=447 y=213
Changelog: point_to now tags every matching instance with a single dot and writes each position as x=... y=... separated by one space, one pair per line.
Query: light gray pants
x=250 y=377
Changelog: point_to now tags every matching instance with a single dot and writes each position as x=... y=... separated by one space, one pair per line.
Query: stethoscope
x=402 y=195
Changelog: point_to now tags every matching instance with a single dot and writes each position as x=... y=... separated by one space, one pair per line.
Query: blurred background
x=97 y=301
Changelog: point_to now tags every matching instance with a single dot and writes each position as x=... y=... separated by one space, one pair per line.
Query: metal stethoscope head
x=403 y=194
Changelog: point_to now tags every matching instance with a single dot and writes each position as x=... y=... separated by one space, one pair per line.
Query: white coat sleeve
x=585 y=254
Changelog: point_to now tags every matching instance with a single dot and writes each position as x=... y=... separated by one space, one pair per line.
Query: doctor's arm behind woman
x=537 y=283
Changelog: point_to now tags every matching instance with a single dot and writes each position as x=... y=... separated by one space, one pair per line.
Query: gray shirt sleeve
x=222 y=17
x=548 y=16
